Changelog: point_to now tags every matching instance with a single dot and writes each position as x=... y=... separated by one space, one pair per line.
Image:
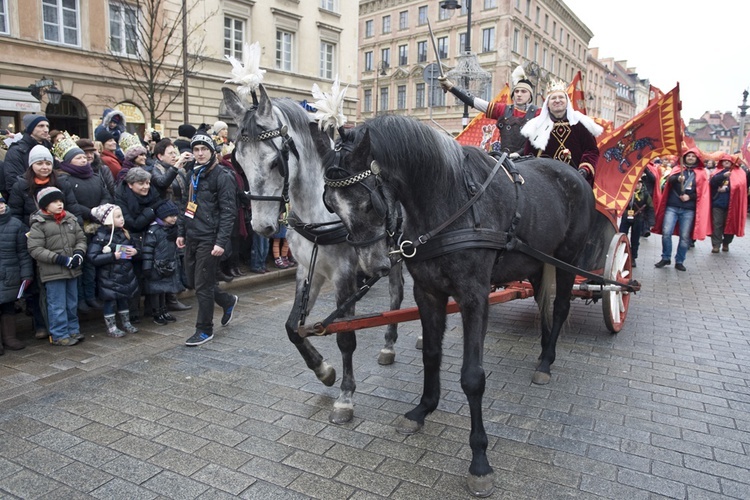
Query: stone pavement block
x=273 y=472
x=226 y=456
x=314 y=463
x=131 y=469
x=367 y=480
x=685 y=476
x=91 y=453
x=171 y=485
x=619 y=458
x=224 y=479
x=55 y=439
x=668 y=488
x=394 y=450
x=41 y=460
x=137 y=447
x=177 y=461
x=270 y=450
x=301 y=441
x=182 y=441
x=733 y=489
x=411 y=472
x=261 y=490
x=317 y=487
x=557 y=443
x=81 y=477
x=118 y=488
x=354 y=456
x=651 y=451
x=28 y=484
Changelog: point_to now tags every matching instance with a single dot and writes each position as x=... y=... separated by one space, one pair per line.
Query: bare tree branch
x=155 y=73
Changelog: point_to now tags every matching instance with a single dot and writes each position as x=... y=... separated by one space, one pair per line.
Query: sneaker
x=199 y=338
x=258 y=270
x=229 y=311
x=715 y=250
x=159 y=319
x=279 y=263
x=662 y=263
x=63 y=341
x=168 y=317
x=78 y=336
x=289 y=262
x=680 y=267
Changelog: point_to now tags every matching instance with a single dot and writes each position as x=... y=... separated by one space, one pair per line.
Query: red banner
x=624 y=152
x=654 y=94
x=481 y=131
x=575 y=93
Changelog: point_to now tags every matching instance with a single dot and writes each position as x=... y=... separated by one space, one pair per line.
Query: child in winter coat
x=16 y=267
x=58 y=245
x=160 y=262
x=112 y=252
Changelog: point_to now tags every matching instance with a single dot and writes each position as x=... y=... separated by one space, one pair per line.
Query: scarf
x=41 y=182
x=84 y=172
x=58 y=217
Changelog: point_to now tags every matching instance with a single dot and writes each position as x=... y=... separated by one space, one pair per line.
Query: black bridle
x=281 y=160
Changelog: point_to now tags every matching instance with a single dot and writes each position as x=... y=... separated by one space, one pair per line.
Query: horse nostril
x=268 y=231
x=382 y=271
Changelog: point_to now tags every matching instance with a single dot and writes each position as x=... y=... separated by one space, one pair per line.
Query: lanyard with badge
x=192 y=206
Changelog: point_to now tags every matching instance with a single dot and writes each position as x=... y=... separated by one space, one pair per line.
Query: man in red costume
x=684 y=209
x=728 y=202
x=562 y=133
x=509 y=118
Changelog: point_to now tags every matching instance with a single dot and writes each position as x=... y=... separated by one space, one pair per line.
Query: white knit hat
x=106 y=215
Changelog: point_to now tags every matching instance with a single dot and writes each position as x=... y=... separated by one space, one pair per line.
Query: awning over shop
x=19 y=101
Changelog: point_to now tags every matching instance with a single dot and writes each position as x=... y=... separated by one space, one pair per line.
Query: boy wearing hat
x=204 y=231
x=160 y=262
x=35 y=132
x=58 y=245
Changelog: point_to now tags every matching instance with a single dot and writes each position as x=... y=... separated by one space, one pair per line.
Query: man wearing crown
x=562 y=133
x=510 y=118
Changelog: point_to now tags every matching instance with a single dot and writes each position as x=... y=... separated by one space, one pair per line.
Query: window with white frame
x=386 y=24
x=383 y=99
x=369 y=28
x=419 y=96
x=123 y=19
x=442 y=44
x=437 y=96
x=488 y=39
x=403 y=55
x=444 y=13
x=401 y=97
x=327 y=58
x=329 y=5
x=234 y=37
x=385 y=57
x=403 y=20
x=60 y=21
x=462 y=42
x=368 y=61
x=422 y=15
x=526 y=46
x=284 y=46
x=422 y=51
x=516 y=36
x=367 y=101
x=4 y=24
x=490 y=4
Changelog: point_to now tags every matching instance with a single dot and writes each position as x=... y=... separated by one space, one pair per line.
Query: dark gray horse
x=392 y=159
x=280 y=150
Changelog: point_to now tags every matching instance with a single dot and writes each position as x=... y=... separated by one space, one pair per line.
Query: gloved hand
x=514 y=156
x=445 y=83
x=64 y=260
x=77 y=261
x=149 y=213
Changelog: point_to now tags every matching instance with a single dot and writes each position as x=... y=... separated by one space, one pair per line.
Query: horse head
x=263 y=154
x=356 y=191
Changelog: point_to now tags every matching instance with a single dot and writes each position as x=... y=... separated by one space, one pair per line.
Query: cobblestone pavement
x=659 y=410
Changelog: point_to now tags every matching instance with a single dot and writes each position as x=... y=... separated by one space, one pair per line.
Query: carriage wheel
x=618 y=267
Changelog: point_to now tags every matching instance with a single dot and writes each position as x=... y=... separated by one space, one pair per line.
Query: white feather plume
x=330 y=106
x=517 y=75
x=247 y=73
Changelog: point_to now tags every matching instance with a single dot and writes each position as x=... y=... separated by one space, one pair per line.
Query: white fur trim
x=538 y=129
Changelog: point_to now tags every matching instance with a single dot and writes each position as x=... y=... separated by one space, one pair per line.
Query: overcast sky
x=699 y=44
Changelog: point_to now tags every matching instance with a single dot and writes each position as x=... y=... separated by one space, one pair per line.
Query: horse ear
x=362 y=150
x=234 y=104
x=264 y=102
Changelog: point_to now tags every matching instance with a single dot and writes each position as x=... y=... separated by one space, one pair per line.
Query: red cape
x=702 y=225
x=737 y=211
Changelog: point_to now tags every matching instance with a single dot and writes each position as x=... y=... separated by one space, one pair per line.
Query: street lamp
x=46 y=86
x=451 y=5
x=382 y=66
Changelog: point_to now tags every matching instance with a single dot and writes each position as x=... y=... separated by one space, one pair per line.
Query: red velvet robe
x=702 y=223
x=737 y=211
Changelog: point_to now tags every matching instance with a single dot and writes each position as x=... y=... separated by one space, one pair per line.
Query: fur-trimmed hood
x=111 y=113
x=538 y=129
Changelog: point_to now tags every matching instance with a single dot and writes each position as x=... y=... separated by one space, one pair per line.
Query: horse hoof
x=419 y=343
x=480 y=486
x=408 y=427
x=326 y=374
x=386 y=357
x=341 y=415
x=541 y=378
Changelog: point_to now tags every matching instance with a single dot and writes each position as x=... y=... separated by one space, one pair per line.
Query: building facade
x=395 y=49
x=74 y=43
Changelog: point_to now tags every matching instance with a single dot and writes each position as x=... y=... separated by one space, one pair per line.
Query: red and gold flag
x=654 y=94
x=481 y=131
x=575 y=93
x=625 y=152
x=607 y=125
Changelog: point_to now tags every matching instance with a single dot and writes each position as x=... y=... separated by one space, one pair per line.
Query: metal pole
x=185 y=101
x=465 y=119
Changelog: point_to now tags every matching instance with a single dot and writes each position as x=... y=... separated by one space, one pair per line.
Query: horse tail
x=546 y=295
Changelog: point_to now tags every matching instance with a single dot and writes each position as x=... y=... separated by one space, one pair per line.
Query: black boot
x=173 y=304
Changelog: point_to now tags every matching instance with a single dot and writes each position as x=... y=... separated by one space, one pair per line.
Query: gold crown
x=62 y=146
x=128 y=141
x=556 y=85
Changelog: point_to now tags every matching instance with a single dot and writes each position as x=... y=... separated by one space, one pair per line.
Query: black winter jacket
x=115 y=278
x=22 y=204
x=17 y=161
x=89 y=193
x=15 y=262
x=138 y=211
x=159 y=258
x=216 y=197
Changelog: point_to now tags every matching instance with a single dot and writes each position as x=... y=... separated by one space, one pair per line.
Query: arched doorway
x=70 y=115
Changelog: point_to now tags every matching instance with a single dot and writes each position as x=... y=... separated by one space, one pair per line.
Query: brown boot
x=8 y=322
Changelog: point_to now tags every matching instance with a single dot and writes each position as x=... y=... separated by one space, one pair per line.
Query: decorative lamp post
x=743 y=113
x=46 y=86
x=382 y=66
x=454 y=4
